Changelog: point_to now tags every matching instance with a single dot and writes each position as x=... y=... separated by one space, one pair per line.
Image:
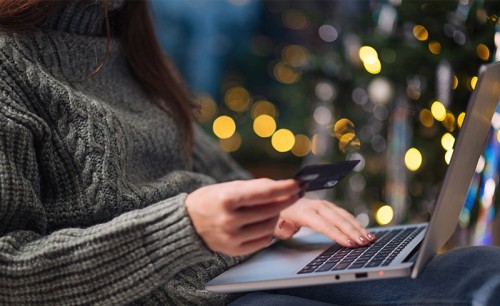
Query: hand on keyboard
x=326 y=218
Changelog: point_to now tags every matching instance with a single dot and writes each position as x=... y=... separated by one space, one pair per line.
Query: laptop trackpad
x=280 y=260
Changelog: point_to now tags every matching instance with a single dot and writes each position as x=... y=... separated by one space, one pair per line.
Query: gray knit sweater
x=92 y=178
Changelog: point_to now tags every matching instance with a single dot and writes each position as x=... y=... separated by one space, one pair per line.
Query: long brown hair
x=148 y=63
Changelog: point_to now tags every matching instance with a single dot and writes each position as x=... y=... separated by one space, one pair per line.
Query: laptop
x=401 y=250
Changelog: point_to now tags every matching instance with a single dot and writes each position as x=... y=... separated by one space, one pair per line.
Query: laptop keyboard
x=388 y=245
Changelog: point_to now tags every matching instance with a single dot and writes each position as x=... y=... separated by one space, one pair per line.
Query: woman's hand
x=326 y=218
x=239 y=217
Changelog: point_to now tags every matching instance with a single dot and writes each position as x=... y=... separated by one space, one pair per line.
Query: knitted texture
x=93 y=180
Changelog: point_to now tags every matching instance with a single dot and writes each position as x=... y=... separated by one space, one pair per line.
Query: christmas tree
x=386 y=82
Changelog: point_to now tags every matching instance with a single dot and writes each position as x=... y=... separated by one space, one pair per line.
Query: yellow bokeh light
x=449 y=122
x=369 y=57
x=473 y=82
x=224 y=127
x=349 y=142
x=438 y=111
x=295 y=19
x=426 y=118
x=373 y=68
x=384 y=215
x=295 y=55
x=413 y=159
x=264 y=126
x=447 y=156
x=498 y=135
x=343 y=126
x=420 y=32
x=455 y=82
x=285 y=74
x=460 y=119
x=367 y=54
x=314 y=144
x=302 y=145
x=263 y=107
x=283 y=140
x=435 y=47
x=237 y=99
x=483 y=52
x=447 y=141
x=232 y=143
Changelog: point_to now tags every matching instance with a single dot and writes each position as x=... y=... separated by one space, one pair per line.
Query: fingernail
x=371 y=236
x=362 y=240
x=351 y=243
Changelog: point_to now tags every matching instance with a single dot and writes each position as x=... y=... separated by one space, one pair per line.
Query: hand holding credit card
x=324 y=176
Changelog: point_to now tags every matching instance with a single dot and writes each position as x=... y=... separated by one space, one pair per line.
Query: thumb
x=285 y=229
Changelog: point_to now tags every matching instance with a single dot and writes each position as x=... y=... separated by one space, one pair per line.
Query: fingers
x=330 y=220
x=239 y=217
x=349 y=224
x=343 y=225
x=285 y=229
x=252 y=214
x=260 y=191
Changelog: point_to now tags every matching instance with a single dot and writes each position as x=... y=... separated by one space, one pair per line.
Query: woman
x=108 y=192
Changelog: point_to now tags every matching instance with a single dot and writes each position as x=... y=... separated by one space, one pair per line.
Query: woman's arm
x=110 y=263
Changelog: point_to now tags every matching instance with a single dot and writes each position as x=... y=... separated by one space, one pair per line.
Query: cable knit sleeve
x=110 y=263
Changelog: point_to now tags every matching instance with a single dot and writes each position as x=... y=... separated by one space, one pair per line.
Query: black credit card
x=322 y=176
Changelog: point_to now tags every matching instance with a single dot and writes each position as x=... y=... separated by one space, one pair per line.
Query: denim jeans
x=462 y=276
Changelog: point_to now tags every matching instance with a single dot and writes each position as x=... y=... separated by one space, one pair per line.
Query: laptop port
x=361 y=275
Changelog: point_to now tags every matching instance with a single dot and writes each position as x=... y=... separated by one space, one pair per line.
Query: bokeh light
x=343 y=126
x=455 y=82
x=447 y=141
x=413 y=159
x=460 y=119
x=426 y=118
x=349 y=142
x=283 y=140
x=237 y=99
x=232 y=143
x=447 y=156
x=384 y=215
x=420 y=32
x=322 y=115
x=295 y=55
x=302 y=145
x=328 y=33
x=380 y=90
x=473 y=82
x=449 y=122
x=294 y=19
x=285 y=74
x=369 y=57
x=438 y=111
x=264 y=126
x=224 y=127
x=434 y=47
x=483 y=52
x=263 y=107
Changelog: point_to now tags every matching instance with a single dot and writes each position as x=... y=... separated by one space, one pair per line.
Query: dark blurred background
x=286 y=83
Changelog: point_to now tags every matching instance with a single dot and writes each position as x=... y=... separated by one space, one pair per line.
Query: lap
x=460 y=276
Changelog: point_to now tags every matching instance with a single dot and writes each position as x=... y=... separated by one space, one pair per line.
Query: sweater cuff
x=170 y=238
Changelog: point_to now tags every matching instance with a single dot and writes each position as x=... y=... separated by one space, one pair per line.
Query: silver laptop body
x=288 y=263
